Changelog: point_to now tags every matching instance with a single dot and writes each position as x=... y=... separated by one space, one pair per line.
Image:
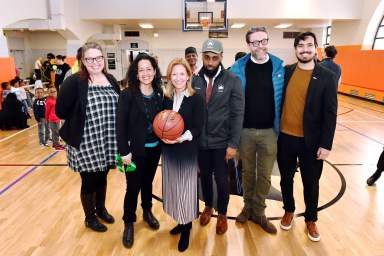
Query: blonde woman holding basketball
x=179 y=157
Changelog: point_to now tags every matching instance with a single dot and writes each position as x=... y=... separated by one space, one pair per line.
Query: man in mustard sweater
x=308 y=123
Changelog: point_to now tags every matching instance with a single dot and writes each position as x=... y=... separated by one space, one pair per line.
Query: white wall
x=172 y=43
x=15 y=10
x=352 y=32
x=35 y=44
x=237 y=9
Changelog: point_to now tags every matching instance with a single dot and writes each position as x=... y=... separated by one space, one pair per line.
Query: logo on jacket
x=220 y=88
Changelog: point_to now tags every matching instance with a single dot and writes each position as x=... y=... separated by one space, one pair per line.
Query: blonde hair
x=169 y=88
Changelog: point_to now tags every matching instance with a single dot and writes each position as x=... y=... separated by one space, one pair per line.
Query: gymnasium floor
x=41 y=214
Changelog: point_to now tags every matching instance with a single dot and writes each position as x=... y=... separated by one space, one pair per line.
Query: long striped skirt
x=180 y=186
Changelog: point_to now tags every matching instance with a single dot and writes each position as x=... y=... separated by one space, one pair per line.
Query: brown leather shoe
x=313 y=233
x=286 y=221
x=205 y=216
x=221 y=225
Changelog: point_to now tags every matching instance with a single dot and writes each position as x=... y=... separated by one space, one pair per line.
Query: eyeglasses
x=259 y=42
x=93 y=60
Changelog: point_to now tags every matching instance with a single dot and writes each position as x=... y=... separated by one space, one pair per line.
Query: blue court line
x=26 y=173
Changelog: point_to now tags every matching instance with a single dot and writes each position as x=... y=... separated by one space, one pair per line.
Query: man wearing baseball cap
x=191 y=58
x=220 y=137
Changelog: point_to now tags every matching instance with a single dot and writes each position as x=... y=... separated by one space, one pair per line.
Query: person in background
x=191 y=57
x=76 y=65
x=87 y=103
x=329 y=61
x=61 y=69
x=38 y=65
x=39 y=113
x=52 y=119
x=380 y=168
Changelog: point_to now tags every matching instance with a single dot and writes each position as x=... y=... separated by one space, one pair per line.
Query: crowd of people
x=258 y=110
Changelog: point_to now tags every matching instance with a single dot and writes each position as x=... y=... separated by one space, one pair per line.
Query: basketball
x=168 y=124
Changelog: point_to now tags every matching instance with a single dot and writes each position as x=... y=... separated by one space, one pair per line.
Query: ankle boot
x=101 y=211
x=91 y=220
x=128 y=235
x=375 y=176
x=177 y=230
x=150 y=219
x=184 y=238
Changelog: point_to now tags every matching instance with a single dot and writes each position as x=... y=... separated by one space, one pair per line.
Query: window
x=378 y=43
x=328 y=37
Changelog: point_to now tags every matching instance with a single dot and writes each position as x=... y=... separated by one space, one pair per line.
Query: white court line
x=360 y=121
x=13 y=135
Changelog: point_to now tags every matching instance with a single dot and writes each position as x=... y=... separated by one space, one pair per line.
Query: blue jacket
x=277 y=79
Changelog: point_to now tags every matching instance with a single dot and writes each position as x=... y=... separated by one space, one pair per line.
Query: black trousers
x=212 y=162
x=140 y=180
x=93 y=181
x=289 y=149
x=380 y=162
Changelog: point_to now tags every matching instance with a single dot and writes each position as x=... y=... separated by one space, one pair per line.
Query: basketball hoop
x=204 y=24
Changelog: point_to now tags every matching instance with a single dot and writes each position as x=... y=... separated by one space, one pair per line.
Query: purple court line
x=26 y=173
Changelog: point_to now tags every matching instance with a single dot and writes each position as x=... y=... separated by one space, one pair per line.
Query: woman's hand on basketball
x=127 y=160
x=166 y=141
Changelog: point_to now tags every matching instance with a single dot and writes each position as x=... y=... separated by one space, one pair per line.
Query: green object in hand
x=120 y=165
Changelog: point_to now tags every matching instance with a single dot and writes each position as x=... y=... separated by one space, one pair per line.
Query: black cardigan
x=192 y=110
x=131 y=122
x=320 y=109
x=71 y=106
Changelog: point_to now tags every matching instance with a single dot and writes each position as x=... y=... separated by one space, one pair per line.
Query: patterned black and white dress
x=98 y=146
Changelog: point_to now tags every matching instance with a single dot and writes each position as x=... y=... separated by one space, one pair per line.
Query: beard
x=305 y=60
x=210 y=72
x=260 y=54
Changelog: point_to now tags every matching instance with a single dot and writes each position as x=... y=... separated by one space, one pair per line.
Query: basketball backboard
x=205 y=15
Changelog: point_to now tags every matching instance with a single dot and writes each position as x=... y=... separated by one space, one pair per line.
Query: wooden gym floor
x=41 y=214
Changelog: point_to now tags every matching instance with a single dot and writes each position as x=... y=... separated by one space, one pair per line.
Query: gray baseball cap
x=212 y=45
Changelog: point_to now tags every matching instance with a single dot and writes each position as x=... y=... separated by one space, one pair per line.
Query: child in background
x=52 y=119
x=39 y=113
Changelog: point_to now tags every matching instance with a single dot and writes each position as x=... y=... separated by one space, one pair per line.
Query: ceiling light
x=155 y=34
x=283 y=25
x=145 y=25
x=238 y=25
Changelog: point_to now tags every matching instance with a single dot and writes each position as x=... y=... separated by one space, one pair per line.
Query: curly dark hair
x=133 y=81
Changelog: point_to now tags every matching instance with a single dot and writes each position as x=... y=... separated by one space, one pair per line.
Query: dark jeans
x=289 y=149
x=212 y=162
x=92 y=181
x=140 y=180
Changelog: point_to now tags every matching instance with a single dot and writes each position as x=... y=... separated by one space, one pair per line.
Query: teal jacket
x=277 y=79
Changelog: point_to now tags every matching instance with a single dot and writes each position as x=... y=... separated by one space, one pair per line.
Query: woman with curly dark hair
x=137 y=107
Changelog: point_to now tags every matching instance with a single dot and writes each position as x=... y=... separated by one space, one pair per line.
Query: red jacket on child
x=50 y=113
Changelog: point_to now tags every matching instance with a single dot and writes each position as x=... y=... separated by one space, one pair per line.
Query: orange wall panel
x=7 y=69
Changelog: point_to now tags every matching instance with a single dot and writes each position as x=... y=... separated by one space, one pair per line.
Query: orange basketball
x=168 y=124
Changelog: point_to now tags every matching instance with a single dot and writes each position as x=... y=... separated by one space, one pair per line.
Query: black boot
x=184 y=238
x=375 y=176
x=101 y=211
x=128 y=235
x=150 y=219
x=177 y=230
x=91 y=220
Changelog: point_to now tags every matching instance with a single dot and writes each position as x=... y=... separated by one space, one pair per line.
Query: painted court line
x=26 y=173
x=13 y=135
